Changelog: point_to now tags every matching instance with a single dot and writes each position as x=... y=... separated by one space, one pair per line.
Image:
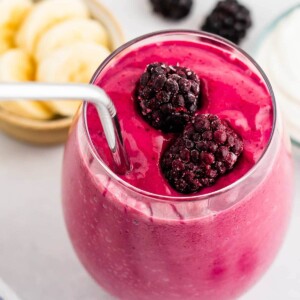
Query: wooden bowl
x=56 y=131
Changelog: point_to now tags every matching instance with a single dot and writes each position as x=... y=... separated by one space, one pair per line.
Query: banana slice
x=12 y=14
x=6 y=39
x=68 y=32
x=73 y=63
x=16 y=65
x=45 y=15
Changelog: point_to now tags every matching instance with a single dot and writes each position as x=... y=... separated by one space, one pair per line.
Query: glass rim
x=194 y=197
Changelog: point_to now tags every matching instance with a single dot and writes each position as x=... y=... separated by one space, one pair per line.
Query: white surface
x=36 y=258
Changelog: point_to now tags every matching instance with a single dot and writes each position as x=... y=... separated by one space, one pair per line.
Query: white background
x=36 y=257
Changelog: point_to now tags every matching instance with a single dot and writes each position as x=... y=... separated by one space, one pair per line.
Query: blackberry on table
x=167 y=96
x=172 y=9
x=207 y=149
x=229 y=19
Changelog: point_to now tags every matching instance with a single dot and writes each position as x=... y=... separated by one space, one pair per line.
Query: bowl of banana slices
x=51 y=41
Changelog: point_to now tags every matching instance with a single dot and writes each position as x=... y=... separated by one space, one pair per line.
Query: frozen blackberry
x=167 y=96
x=229 y=19
x=207 y=148
x=172 y=9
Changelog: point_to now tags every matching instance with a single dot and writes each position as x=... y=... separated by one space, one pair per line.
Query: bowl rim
x=114 y=20
x=6 y=116
x=266 y=31
x=270 y=26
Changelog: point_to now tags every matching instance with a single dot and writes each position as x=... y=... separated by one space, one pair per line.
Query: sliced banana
x=16 y=65
x=12 y=14
x=45 y=15
x=68 y=32
x=6 y=39
x=73 y=63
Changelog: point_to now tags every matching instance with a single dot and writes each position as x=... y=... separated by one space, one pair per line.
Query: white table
x=36 y=257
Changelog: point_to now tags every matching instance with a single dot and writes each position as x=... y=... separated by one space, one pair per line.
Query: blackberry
x=167 y=96
x=172 y=9
x=207 y=149
x=229 y=19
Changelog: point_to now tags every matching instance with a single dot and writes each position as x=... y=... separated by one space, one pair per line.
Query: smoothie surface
x=229 y=90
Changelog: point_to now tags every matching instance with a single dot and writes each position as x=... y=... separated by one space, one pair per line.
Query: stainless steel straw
x=87 y=92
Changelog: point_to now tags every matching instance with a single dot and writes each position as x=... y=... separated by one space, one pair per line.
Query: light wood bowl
x=56 y=131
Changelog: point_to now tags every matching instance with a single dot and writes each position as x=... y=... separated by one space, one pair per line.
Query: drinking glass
x=144 y=246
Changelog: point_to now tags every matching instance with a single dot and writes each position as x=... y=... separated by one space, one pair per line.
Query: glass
x=139 y=245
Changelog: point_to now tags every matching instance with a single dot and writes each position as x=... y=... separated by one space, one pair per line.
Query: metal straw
x=87 y=92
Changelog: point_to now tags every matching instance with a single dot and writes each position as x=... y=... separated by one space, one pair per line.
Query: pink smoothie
x=230 y=91
x=138 y=247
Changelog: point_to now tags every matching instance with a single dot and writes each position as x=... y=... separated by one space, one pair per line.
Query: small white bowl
x=286 y=103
